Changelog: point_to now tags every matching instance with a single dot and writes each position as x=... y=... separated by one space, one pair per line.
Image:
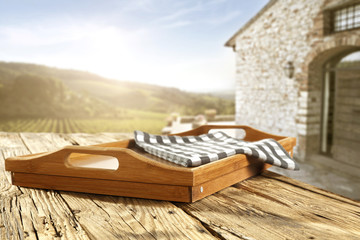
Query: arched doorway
x=334 y=103
x=340 y=125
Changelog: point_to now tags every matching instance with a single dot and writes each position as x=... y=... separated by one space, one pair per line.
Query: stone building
x=320 y=103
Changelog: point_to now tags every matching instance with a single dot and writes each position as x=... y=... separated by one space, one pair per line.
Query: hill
x=37 y=90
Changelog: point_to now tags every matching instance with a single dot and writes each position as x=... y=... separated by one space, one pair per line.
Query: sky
x=176 y=43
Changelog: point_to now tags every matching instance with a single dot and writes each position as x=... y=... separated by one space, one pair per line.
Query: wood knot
x=76 y=211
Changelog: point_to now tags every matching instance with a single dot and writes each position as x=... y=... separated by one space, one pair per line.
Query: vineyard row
x=68 y=125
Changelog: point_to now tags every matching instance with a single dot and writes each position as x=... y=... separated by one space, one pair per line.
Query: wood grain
x=43 y=142
x=9 y=144
x=91 y=139
x=112 y=217
x=297 y=184
x=131 y=218
x=29 y=213
x=205 y=189
x=101 y=186
x=10 y=217
x=265 y=208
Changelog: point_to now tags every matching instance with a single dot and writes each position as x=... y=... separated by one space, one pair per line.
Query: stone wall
x=289 y=30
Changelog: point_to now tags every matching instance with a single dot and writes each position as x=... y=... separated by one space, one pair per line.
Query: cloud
x=197 y=12
x=180 y=13
x=43 y=35
x=223 y=19
x=38 y=36
x=177 y=24
x=137 y=5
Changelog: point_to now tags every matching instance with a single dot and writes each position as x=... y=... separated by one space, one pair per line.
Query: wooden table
x=269 y=206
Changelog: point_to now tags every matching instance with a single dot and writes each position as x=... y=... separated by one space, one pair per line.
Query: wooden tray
x=123 y=169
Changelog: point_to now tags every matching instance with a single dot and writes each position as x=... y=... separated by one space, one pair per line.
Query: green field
x=153 y=124
x=36 y=98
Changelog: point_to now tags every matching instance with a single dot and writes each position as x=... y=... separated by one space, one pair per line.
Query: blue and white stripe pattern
x=192 y=151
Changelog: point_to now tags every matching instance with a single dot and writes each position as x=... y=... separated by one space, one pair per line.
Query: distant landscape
x=37 y=98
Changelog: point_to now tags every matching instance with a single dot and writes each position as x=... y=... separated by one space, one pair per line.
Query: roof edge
x=231 y=41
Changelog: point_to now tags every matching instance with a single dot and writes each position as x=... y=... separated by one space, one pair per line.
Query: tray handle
x=96 y=150
x=132 y=166
x=57 y=159
x=252 y=134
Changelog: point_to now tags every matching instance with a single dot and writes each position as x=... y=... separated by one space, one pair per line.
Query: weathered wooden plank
x=119 y=136
x=90 y=139
x=47 y=215
x=101 y=219
x=164 y=219
x=308 y=187
x=22 y=217
x=111 y=217
x=10 y=221
x=9 y=142
x=339 y=214
x=33 y=214
x=11 y=225
x=266 y=208
x=132 y=218
x=43 y=142
x=12 y=145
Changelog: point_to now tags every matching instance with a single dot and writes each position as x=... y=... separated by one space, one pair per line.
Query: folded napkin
x=192 y=151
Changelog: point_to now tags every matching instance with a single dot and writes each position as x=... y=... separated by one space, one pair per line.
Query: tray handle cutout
x=96 y=161
x=91 y=157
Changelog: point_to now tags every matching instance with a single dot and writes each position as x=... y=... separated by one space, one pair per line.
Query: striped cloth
x=192 y=151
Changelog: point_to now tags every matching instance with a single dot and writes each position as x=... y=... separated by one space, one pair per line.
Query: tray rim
x=158 y=172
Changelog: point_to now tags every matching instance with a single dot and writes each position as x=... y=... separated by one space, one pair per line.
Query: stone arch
x=339 y=45
x=311 y=85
